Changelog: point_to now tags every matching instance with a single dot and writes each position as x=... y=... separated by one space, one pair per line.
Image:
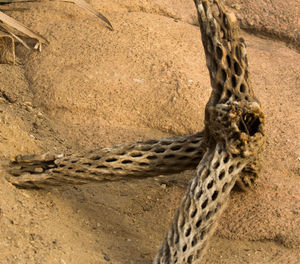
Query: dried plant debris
x=8 y=24
x=12 y=30
x=87 y=7
x=7 y=43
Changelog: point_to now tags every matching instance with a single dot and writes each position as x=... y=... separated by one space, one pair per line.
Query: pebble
x=28 y=108
x=28 y=104
x=236 y=7
x=9 y=97
x=138 y=80
x=163 y=186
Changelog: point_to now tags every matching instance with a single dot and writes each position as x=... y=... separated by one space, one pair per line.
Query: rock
x=237 y=7
x=28 y=108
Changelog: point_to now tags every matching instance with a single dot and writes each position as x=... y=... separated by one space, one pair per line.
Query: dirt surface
x=279 y=19
x=92 y=88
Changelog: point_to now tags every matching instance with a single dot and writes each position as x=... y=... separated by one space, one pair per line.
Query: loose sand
x=92 y=88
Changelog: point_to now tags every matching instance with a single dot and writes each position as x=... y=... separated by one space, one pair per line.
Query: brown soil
x=147 y=79
x=279 y=19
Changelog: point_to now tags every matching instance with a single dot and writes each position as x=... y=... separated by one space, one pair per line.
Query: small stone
x=107 y=258
x=173 y=99
x=28 y=108
x=237 y=7
x=28 y=104
x=138 y=80
x=163 y=186
x=39 y=114
x=8 y=97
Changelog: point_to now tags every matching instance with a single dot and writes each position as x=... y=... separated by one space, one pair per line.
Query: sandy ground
x=92 y=88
